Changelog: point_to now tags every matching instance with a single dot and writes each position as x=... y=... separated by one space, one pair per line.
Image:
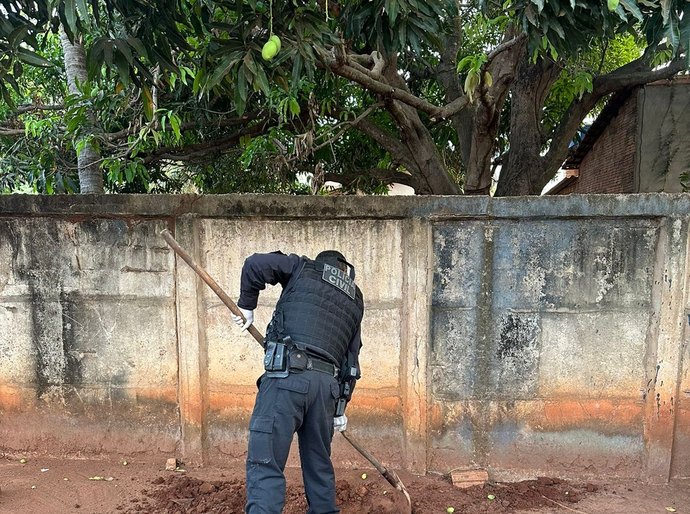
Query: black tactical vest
x=321 y=308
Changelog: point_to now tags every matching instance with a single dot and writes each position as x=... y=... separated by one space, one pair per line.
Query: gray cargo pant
x=303 y=403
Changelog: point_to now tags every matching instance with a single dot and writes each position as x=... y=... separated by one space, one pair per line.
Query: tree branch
x=392 y=145
x=628 y=76
x=225 y=122
x=349 y=72
x=447 y=71
x=346 y=125
x=10 y=132
x=506 y=45
x=202 y=151
x=350 y=67
x=23 y=109
x=632 y=76
x=384 y=175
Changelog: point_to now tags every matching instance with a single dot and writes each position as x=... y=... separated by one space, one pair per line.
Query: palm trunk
x=90 y=175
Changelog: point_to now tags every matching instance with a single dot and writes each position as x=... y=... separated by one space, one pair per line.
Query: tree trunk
x=90 y=175
x=477 y=125
x=431 y=176
x=478 y=128
x=523 y=173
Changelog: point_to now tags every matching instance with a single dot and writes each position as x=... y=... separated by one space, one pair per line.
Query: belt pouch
x=298 y=360
x=276 y=357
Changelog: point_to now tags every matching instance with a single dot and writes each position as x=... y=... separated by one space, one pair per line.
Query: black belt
x=323 y=366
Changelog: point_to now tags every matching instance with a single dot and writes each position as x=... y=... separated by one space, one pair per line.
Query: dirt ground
x=118 y=486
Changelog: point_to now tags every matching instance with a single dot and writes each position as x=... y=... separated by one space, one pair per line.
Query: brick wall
x=609 y=167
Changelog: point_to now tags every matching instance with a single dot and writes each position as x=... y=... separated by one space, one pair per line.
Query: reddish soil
x=185 y=494
x=59 y=486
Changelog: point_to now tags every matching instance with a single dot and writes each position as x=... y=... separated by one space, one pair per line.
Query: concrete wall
x=526 y=335
x=663 y=152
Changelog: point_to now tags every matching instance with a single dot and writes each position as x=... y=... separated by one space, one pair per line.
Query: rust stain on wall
x=240 y=398
x=579 y=413
x=435 y=416
x=683 y=419
x=159 y=395
x=11 y=398
x=367 y=403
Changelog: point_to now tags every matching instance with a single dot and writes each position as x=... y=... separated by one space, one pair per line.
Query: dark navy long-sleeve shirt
x=265 y=268
x=277 y=268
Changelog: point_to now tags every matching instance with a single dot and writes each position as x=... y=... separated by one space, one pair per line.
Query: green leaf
x=122 y=67
x=129 y=172
x=138 y=46
x=673 y=32
x=10 y=79
x=148 y=102
x=665 y=10
x=296 y=71
x=71 y=15
x=175 y=124
x=197 y=85
x=539 y=4
x=4 y=92
x=294 y=106
x=557 y=28
x=30 y=57
x=225 y=66
x=465 y=62
x=632 y=8
x=531 y=15
x=392 y=8
x=83 y=9
x=108 y=52
x=612 y=4
x=240 y=104
x=17 y=36
x=242 y=84
x=96 y=12
x=123 y=47
x=262 y=81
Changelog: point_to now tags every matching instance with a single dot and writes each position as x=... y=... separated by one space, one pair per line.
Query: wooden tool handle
x=229 y=303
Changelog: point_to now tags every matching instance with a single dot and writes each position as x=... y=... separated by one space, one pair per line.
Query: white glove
x=248 y=315
x=340 y=423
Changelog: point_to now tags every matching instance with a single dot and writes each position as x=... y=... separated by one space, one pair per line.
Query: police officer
x=311 y=366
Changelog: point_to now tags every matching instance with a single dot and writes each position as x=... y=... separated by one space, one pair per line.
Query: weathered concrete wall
x=523 y=335
x=663 y=125
x=87 y=334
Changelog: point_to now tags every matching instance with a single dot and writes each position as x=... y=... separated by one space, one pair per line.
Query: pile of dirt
x=180 y=494
x=435 y=494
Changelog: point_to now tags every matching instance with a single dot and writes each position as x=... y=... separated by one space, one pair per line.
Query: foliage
x=577 y=75
x=183 y=99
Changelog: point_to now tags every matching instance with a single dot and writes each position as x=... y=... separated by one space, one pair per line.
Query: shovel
x=389 y=475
